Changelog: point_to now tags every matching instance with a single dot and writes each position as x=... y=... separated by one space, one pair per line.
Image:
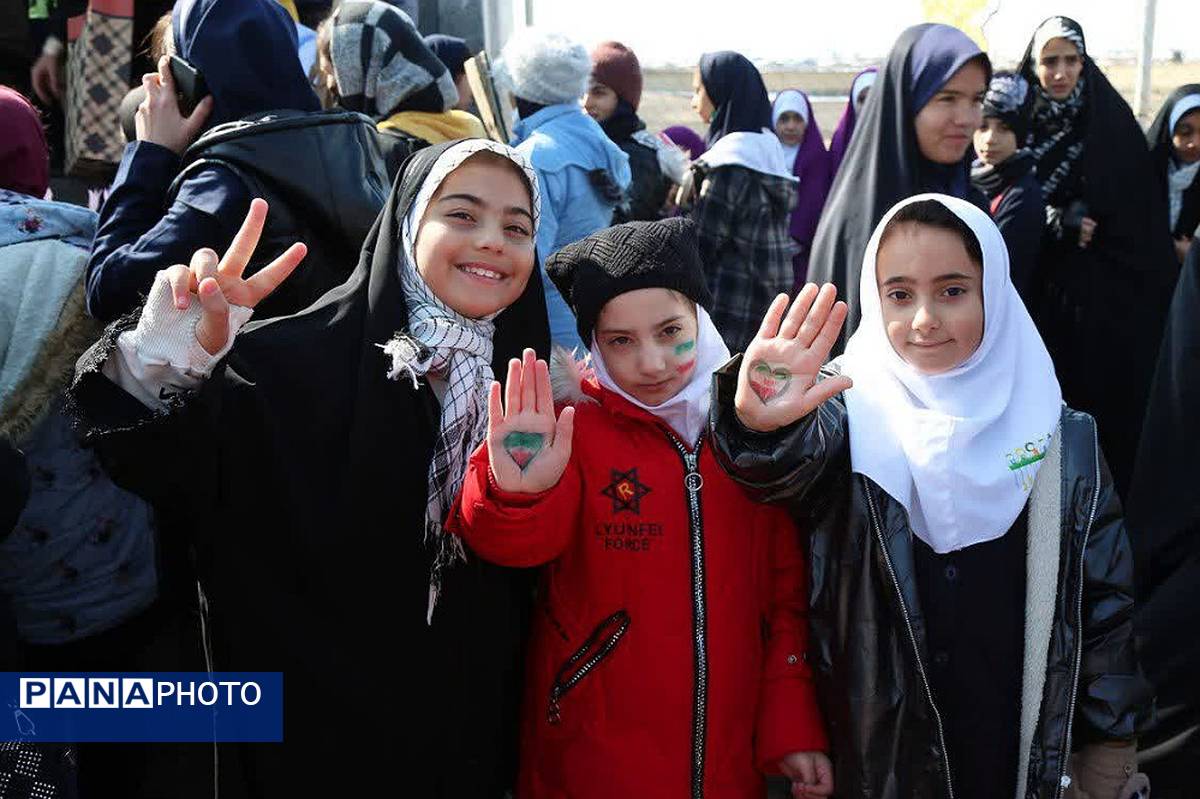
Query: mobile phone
x=190 y=87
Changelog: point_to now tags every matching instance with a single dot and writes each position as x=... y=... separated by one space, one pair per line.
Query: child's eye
x=462 y=215
x=618 y=341
x=955 y=291
x=898 y=295
x=517 y=230
x=671 y=331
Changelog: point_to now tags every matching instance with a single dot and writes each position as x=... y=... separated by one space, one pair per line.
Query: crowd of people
x=603 y=461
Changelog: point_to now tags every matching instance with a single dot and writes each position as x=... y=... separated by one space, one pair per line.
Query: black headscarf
x=1129 y=264
x=451 y=51
x=883 y=164
x=1161 y=153
x=738 y=95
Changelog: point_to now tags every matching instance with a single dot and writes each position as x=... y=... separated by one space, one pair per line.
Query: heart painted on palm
x=523 y=447
x=768 y=382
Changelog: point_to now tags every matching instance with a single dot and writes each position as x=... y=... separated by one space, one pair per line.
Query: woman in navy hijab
x=913 y=137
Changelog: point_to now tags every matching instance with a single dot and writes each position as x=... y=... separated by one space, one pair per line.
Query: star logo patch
x=626 y=491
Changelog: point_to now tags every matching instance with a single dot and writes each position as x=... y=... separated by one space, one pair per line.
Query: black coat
x=307 y=470
x=1015 y=201
x=647 y=192
x=868 y=640
x=1164 y=517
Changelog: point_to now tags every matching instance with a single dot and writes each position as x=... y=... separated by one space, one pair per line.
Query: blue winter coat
x=577 y=166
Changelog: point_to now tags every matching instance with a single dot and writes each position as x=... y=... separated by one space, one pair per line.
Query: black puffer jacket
x=867 y=636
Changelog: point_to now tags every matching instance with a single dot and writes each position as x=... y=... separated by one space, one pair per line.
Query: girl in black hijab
x=1105 y=269
x=913 y=136
x=1174 y=138
x=320 y=451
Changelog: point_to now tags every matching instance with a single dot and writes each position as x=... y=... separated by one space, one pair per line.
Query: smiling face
x=1059 y=67
x=945 y=125
x=648 y=340
x=994 y=141
x=931 y=293
x=1186 y=137
x=790 y=128
x=702 y=104
x=600 y=102
x=475 y=246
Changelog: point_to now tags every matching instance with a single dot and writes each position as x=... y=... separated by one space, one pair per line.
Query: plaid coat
x=743 y=218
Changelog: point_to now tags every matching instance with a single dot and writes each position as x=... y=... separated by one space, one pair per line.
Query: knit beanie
x=545 y=68
x=1008 y=99
x=617 y=67
x=636 y=255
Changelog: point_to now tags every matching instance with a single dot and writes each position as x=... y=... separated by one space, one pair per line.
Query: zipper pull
x=693 y=480
x=554 y=714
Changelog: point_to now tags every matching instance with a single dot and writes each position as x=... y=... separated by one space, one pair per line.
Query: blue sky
x=847 y=30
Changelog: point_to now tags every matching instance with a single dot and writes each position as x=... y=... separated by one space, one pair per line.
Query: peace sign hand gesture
x=777 y=384
x=527 y=448
x=217 y=284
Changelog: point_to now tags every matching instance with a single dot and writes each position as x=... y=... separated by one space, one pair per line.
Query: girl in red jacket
x=668 y=653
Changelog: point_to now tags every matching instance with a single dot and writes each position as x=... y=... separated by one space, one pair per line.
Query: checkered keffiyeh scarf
x=458 y=349
x=380 y=62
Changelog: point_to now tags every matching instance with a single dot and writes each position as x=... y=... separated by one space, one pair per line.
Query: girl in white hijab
x=962 y=520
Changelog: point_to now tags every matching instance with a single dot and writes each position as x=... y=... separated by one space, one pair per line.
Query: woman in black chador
x=1106 y=269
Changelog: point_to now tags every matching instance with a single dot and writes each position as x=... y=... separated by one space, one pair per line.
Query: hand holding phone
x=190 y=87
x=160 y=119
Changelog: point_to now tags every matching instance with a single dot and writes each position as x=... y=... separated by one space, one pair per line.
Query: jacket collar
x=525 y=127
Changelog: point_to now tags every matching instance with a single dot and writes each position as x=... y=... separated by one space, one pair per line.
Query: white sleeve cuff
x=161 y=358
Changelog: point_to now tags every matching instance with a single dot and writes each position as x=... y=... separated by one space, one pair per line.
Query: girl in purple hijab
x=796 y=126
x=859 y=90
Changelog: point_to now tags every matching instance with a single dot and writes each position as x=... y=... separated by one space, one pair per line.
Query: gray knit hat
x=546 y=68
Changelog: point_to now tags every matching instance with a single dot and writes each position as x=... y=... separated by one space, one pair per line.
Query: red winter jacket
x=667 y=654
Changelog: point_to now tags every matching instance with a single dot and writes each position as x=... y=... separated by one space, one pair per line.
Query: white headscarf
x=1180 y=176
x=864 y=81
x=789 y=100
x=959 y=450
x=444 y=344
x=760 y=152
x=1188 y=103
x=687 y=411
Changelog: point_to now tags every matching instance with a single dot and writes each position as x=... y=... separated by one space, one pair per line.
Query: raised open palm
x=217 y=284
x=528 y=449
x=777 y=384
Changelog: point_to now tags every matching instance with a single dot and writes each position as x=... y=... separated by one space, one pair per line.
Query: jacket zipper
x=1063 y=779
x=887 y=559
x=693 y=481
x=564 y=682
